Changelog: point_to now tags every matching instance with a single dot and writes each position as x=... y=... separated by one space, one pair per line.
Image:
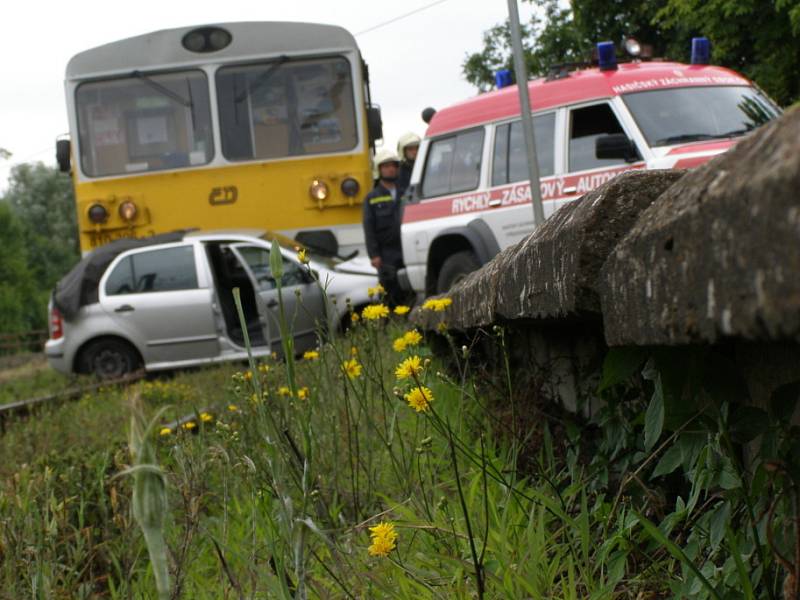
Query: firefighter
x=382 y=216
x=407 y=148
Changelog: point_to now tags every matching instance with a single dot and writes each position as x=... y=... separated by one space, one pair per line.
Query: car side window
x=453 y=164
x=510 y=163
x=163 y=270
x=586 y=125
x=258 y=260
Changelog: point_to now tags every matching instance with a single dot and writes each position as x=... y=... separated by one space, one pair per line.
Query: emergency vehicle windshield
x=673 y=116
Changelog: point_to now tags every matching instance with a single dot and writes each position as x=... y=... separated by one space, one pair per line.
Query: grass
x=369 y=469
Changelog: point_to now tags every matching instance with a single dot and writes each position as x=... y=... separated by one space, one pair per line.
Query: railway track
x=24 y=407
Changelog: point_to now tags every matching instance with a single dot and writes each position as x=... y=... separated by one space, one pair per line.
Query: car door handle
x=272 y=303
x=124 y=308
x=495 y=202
x=573 y=189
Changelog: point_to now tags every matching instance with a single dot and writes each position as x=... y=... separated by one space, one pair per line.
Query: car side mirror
x=374 y=124
x=616 y=145
x=63 y=155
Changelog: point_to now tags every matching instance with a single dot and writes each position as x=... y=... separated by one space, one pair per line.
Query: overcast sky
x=414 y=62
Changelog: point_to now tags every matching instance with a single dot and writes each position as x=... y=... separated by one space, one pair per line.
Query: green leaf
x=670 y=461
x=678 y=554
x=720 y=519
x=276 y=260
x=784 y=401
x=654 y=417
x=620 y=364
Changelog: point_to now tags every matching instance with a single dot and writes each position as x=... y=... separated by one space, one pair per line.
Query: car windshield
x=690 y=114
x=144 y=123
x=315 y=254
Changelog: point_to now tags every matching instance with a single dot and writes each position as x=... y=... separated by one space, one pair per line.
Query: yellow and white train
x=235 y=125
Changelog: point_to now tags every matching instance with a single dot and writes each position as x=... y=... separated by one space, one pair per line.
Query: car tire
x=455 y=268
x=108 y=358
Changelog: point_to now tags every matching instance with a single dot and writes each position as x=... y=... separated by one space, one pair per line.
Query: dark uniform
x=382 y=217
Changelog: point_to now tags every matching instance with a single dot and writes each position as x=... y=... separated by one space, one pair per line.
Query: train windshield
x=145 y=122
x=286 y=107
x=674 y=116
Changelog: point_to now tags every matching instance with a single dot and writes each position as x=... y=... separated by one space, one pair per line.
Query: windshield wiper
x=162 y=89
x=262 y=79
x=685 y=137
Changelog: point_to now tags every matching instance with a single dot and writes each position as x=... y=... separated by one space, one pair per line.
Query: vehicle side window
x=510 y=161
x=258 y=261
x=586 y=125
x=163 y=270
x=453 y=164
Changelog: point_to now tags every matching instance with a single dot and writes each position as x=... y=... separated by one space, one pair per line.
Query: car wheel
x=455 y=268
x=109 y=359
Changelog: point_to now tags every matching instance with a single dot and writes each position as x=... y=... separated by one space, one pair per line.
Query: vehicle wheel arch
x=476 y=237
x=88 y=343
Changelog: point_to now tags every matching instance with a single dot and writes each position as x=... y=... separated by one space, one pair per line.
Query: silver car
x=167 y=302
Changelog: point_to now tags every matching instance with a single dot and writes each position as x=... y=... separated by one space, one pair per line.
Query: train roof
x=163 y=48
x=579 y=86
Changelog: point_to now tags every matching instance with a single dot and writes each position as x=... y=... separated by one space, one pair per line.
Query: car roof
x=221 y=234
x=579 y=86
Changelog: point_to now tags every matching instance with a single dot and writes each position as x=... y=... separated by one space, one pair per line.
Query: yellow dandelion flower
x=376 y=291
x=410 y=367
x=248 y=375
x=374 y=312
x=412 y=338
x=351 y=368
x=302 y=393
x=262 y=368
x=189 y=425
x=442 y=327
x=419 y=398
x=302 y=257
x=384 y=539
x=206 y=417
x=233 y=408
x=437 y=304
x=284 y=391
x=274 y=355
x=310 y=355
x=399 y=344
x=353 y=351
x=165 y=431
x=401 y=309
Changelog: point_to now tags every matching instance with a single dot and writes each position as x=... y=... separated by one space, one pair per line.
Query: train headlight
x=206 y=39
x=128 y=211
x=318 y=190
x=97 y=213
x=350 y=187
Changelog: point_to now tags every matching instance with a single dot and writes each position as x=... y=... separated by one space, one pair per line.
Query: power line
x=403 y=16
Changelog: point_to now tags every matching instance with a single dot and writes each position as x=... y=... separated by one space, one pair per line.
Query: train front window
x=146 y=122
x=286 y=107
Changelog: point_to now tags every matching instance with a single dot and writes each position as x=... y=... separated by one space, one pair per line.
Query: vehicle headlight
x=128 y=211
x=97 y=213
x=318 y=190
x=350 y=187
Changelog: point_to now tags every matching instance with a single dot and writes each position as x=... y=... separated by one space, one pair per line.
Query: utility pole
x=521 y=73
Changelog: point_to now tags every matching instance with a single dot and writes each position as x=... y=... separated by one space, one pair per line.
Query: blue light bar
x=606 y=56
x=503 y=78
x=701 y=51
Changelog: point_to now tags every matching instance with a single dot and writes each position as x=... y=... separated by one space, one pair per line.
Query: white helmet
x=407 y=139
x=384 y=156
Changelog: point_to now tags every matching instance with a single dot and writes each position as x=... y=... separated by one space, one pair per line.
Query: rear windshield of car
x=674 y=116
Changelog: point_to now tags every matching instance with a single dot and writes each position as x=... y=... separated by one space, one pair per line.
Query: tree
x=759 y=38
x=43 y=206
x=16 y=313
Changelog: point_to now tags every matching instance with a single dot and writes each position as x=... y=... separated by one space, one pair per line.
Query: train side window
x=510 y=163
x=586 y=125
x=453 y=164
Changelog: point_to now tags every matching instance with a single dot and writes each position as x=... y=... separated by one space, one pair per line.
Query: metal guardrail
x=23 y=341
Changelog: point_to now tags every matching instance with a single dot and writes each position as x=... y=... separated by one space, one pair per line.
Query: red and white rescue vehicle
x=470 y=193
